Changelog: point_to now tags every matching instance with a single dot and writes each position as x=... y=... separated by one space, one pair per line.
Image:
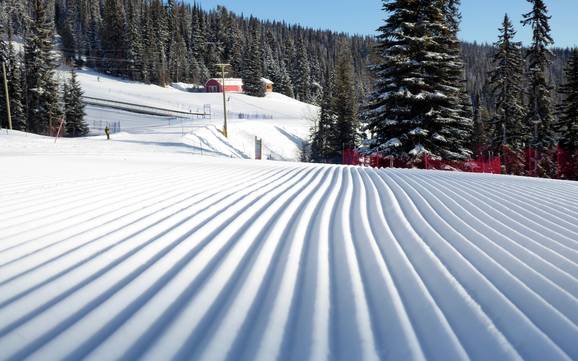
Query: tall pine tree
x=253 y=73
x=43 y=98
x=15 y=87
x=301 y=73
x=567 y=126
x=74 y=108
x=345 y=132
x=322 y=150
x=417 y=106
x=114 y=38
x=3 y=61
x=540 y=115
x=480 y=132
x=506 y=82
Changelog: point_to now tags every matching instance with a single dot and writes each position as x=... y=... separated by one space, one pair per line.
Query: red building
x=215 y=85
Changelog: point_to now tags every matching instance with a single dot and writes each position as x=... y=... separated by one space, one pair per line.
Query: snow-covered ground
x=282 y=135
x=131 y=250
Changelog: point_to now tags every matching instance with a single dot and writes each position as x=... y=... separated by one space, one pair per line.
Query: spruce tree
x=480 y=131
x=417 y=106
x=135 y=53
x=301 y=73
x=43 y=98
x=506 y=82
x=567 y=126
x=345 y=132
x=93 y=42
x=74 y=108
x=15 y=88
x=197 y=35
x=68 y=33
x=114 y=38
x=453 y=18
x=321 y=148
x=284 y=86
x=540 y=115
x=3 y=61
x=252 y=78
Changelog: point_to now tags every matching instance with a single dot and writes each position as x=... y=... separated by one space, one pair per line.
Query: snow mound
x=168 y=256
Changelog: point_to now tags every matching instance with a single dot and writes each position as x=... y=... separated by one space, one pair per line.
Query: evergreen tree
x=481 y=119
x=3 y=61
x=271 y=66
x=456 y=67
x=43 y=104
x=15 y=87
x=252 y=78
x=540 y=114
x=178 y=65
x=506 y=83
x=567 y=126
x=197 y=35
x=284 y=86
x=302 y=73
x=453 y=15
x=74 y=108
x=345 y=132
x=321 y=148
x=416 y=107
x=114 y=41
x=135 y=54
x=68 y=33
x=93 y=44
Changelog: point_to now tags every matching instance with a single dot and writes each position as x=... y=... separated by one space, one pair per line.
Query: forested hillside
x=161 y=42
x=478 y=62
x=168 y=41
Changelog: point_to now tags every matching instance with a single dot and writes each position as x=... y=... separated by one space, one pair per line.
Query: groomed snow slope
x=283 y=135
x=168 y=256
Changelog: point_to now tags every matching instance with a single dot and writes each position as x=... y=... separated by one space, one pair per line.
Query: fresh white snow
x=140 y=248
x=282 y=122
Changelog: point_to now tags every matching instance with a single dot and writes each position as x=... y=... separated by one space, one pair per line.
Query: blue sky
x=481 y=17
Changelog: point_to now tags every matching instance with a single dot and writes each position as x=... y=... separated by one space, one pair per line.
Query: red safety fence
x=353 y=157
x=511 y=162
x=567 y=162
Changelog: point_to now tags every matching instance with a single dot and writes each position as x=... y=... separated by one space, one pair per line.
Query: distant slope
x=283 y=123
x=168 y=256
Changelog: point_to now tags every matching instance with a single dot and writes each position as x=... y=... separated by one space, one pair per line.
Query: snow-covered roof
x=229 y=81
x=266 y=81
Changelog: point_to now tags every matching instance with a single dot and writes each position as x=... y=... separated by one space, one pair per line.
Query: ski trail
x=72 y=317
x=193 y=258
x=268 y=238
x=433 y=328
x=444 y=247
x=532 y=253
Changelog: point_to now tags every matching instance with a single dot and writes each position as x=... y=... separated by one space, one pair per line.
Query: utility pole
x=7 y=96
x=225 y=125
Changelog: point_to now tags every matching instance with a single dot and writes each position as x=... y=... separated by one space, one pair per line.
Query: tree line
x=433 y=96
x=38 y=103
x=161 y=42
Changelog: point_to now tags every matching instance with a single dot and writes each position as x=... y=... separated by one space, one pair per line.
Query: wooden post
x=225 y=124
x=7 y=96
